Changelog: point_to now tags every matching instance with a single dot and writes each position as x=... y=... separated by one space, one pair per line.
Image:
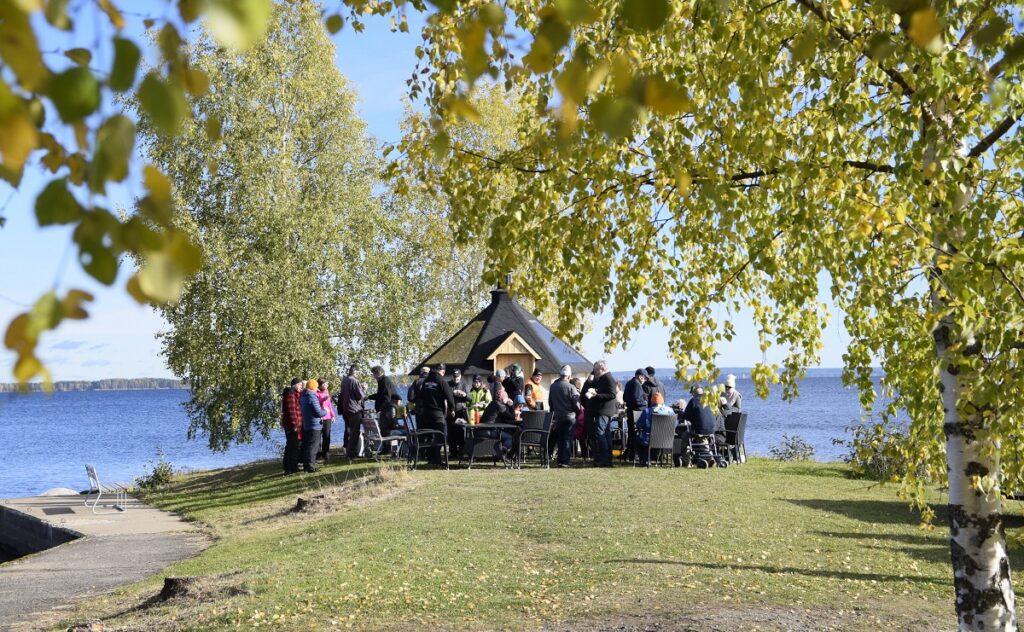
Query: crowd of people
x=584 y=412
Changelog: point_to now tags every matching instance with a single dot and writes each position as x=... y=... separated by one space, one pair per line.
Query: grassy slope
x=469 y=549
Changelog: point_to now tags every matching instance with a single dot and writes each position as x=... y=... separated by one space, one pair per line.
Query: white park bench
x=118 y=490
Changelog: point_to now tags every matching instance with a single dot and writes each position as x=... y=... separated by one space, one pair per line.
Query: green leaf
x=57 y=14
x=492 y=15
x=99 y=261
x=334 y=23
x=161 y=278
x=805 y=45
x=990 y=31
x=574 y=11
x=46 y=313
x=114 y=142
x=614 y=116
x=56 y=205
x=75 y=93
x=163 y=102
x=81 y=56
x=551 y=36
x=447 y=6
x=189 y=10
x=126 y=61
x=238 y=24
x=184 y=253
x=666 y=97
x=645 y=15
x=1014 y=52
x=880 y=46
x=20 y=49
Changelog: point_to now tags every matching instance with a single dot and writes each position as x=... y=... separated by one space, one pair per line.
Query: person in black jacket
x=603 y=406
x=653 y=385
x=385 y=389
x=588 y=443
x=635 y=398
x=435 y=402
x=460 y=389
x=564 y=400
x=513 y=385
x=701 y=417
x=414 y=389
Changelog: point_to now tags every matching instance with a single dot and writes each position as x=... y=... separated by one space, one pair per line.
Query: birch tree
x=307 y=267
x=692 y=158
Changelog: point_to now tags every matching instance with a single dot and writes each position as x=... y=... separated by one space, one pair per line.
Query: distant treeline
x=133 y=384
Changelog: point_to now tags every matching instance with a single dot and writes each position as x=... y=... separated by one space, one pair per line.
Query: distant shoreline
x=118 y=384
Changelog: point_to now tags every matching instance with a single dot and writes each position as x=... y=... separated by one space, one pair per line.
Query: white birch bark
x=981 y=566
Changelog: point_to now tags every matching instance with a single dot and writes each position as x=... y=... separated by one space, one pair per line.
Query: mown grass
x=496 y=549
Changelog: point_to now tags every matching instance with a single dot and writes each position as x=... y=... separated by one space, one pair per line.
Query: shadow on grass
x=890 y=512
x=821 y=471
x=251 y=484
x=879 y=513
x=894 y=512
x=902 y=538
x=777 y=570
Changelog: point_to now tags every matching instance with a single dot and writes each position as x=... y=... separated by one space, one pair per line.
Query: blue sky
x=119 y=338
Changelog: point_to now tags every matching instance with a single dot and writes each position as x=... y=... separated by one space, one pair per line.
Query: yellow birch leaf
x=924 y=27
x=157 y=183
x=683 y=182
x=18 y=137
x=112 y=12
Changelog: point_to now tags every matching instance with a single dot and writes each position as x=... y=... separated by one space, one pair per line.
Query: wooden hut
x=504 y=333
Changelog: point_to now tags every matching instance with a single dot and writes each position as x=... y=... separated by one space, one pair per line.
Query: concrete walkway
x=114 y=549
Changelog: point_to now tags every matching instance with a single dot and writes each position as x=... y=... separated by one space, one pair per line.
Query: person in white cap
x=564 y=401
x=731 y=401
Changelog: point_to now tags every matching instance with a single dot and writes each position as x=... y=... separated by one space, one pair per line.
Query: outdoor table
x=472 y=429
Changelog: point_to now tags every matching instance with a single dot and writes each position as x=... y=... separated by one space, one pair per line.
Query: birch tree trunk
x=981 y=567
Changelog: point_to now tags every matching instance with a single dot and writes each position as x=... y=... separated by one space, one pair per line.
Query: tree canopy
x=307 y=266
x=51 y=107
x=707 y=156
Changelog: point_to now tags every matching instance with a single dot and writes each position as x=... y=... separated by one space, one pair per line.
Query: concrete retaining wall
x=22 y=534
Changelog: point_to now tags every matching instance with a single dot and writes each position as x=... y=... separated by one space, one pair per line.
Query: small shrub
x=792 y=449
x=875 y=451
x=159 y=473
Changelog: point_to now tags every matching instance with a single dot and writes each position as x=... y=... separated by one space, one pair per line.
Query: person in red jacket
x=291 y=422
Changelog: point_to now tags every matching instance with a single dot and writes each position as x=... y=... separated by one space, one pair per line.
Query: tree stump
x=308 y=504
x=178 y=587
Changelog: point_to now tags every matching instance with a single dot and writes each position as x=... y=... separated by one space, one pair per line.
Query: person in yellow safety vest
x=534 y=391
x=479 y=397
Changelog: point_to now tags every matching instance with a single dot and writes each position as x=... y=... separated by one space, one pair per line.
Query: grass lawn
x=765 y=545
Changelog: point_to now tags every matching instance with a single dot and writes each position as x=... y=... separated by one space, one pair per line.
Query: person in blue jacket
x=312 y=424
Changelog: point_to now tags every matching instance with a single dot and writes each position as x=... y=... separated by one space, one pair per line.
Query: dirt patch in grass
x=161 y=611
x=384 y=484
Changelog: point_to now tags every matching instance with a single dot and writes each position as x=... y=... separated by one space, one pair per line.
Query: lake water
x=47 y=439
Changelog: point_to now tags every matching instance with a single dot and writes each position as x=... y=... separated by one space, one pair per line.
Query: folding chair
x=119 y=490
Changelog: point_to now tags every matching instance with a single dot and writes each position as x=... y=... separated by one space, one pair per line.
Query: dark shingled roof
x=469 y=347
